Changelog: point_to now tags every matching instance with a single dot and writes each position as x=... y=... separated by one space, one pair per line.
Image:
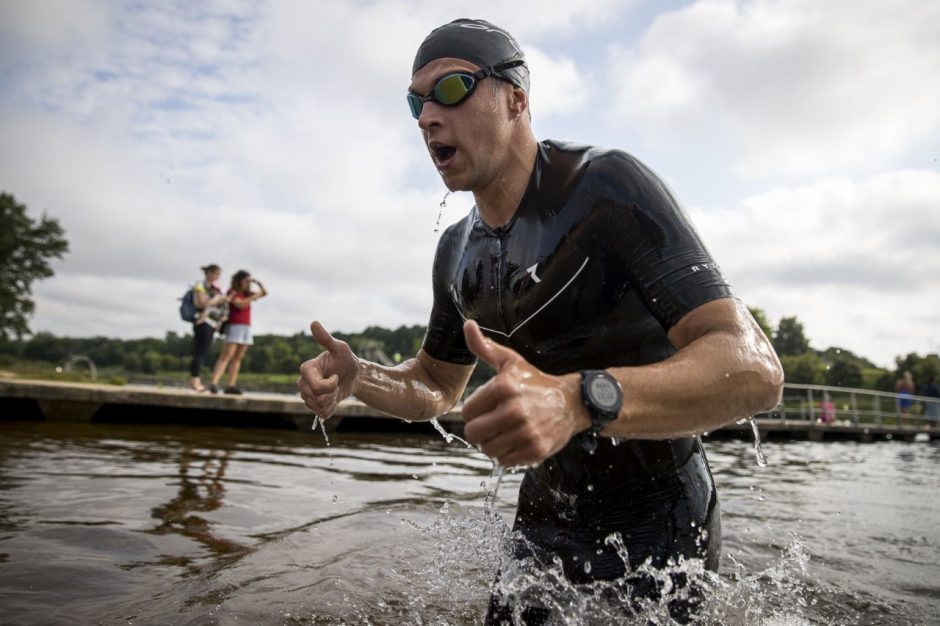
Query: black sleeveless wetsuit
x=597 y=264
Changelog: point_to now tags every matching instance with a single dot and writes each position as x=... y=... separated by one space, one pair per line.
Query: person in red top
x=237 y=331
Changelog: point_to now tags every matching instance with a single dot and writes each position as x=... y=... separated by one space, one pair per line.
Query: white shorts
x=238 y=333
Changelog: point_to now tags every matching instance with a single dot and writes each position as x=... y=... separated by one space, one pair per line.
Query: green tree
x=151 y=362
x=806 y=368
x=921 y=367
x=789 y=338
x=26 y=246
x=844 y=373
x=47 y=348
x=131 y=362
x=835 y=353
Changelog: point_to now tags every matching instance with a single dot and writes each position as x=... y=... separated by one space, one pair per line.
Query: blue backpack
x=188 y=306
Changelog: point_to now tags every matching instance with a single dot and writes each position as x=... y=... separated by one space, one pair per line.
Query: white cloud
x=558 y=87
x=854 y=260
x=792 y=87
x=57 y=28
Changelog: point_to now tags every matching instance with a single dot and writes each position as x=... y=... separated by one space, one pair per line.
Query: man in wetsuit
x=615 y=338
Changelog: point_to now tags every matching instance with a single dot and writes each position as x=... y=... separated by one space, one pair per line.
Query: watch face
x=604 y=393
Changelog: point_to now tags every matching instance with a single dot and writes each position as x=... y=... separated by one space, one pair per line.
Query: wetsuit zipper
x=500 y=264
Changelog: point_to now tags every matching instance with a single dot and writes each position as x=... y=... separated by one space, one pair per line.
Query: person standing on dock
x=208 y=298
x=905 y=389
x=237 y=330
x=932 y=405
x=615 y=337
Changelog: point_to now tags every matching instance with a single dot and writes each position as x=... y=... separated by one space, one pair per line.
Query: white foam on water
x=472 y=546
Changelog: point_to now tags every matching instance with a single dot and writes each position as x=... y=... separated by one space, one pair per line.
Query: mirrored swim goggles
x=452 y=89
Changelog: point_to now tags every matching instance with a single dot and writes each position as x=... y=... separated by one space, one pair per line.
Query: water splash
x=446 y=572
x=317 y=420
x=440 y=211
x=489 y=500
x=448 y=437
x=758 y=452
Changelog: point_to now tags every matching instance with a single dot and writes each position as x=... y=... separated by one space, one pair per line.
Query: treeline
x=269 y=354
x=28 y=245
x=279 y=354
x=838 y=367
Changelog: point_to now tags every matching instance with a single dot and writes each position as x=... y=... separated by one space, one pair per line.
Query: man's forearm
x=419 y=389
x=725 y=370
x=704 y=386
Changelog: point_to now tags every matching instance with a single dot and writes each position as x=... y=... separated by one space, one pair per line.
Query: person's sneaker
x=212 y=388
x=235 y=391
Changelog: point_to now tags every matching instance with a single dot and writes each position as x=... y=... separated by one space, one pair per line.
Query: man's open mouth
x=443 y=154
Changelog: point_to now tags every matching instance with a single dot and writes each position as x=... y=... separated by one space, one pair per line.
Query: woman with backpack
x=211 y=306
x=237 y=330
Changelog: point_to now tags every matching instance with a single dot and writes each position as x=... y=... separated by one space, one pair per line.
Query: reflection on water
x=164 y=524
x=201 y=489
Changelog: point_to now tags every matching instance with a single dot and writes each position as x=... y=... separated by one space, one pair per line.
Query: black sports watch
x=603 y=397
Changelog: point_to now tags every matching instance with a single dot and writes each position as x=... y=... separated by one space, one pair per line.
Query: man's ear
x=519 y=102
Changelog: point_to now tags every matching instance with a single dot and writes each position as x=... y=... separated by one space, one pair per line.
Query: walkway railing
x=819 y=403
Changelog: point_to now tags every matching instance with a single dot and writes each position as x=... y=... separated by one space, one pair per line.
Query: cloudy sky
x=802 y=136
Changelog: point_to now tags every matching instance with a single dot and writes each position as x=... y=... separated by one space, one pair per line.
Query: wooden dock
x=22 y=399
x=51 y=400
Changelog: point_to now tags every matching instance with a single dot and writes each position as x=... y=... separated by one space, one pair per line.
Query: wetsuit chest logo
x=461 y=309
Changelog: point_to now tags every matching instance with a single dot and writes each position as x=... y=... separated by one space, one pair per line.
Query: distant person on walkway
x=827 y=410
x=210 y=307
x=905 y=390
x=237 y=331
x=932 y=406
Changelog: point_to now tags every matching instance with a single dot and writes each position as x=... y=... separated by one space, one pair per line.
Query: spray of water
x=322 y=423
x=440 y=211
x=448 y=571
x=317 y=420
x=496 y=477
x=448 y=437
x=758 y=452
x=473 y=559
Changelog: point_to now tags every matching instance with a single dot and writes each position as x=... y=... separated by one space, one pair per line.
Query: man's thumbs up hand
x=522 y=415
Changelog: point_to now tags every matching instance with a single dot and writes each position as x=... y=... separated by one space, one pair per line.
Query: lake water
x=118 y=524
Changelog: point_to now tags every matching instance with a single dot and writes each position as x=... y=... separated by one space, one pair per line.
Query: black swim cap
x=478 y=41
